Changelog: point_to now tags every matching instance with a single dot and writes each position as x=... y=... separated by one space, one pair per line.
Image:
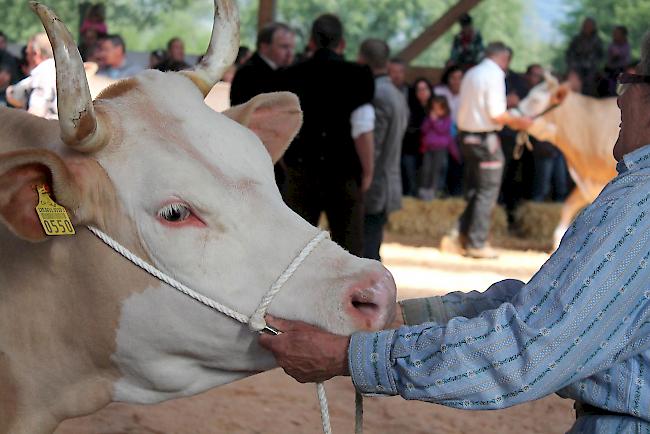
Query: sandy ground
x=274 y=403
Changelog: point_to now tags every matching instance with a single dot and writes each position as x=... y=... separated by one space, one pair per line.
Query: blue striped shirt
x=580 y=327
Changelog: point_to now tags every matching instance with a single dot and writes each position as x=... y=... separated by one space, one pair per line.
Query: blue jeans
x=550 y=172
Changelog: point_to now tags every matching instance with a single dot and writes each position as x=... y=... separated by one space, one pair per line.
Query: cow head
x=546 y=94
x=193 y=192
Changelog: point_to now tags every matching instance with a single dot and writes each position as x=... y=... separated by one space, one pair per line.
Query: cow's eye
x=174 y=212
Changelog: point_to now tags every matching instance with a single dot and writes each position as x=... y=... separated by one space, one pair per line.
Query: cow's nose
x=370 y=302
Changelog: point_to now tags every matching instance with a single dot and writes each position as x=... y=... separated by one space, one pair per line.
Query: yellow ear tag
x=54 y=218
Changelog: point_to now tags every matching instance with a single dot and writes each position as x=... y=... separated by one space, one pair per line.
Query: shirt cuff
x=370 y=364
x=420 y=310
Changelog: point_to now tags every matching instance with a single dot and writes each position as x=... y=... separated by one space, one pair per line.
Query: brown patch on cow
x=85 y=125
x=118 y=89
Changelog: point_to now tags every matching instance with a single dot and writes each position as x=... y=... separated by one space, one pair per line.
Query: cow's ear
x=276 y=118
x=20 y=173
x=560 y=93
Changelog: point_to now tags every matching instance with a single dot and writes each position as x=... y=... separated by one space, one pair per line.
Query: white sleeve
x=362 y=120
x=21 y=90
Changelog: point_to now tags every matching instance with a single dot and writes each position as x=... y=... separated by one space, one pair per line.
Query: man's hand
x=305 y=352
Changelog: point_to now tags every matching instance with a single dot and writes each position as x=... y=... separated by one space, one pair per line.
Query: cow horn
x=223 y=47
x=79 y=126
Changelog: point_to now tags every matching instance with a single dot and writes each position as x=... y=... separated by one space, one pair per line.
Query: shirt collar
x=634 y=160
x=269 y=62
x=492 y=64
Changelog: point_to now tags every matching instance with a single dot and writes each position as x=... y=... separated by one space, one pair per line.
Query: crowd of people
x=369 y=137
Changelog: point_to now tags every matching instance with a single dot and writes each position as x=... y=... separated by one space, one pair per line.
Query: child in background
x=436 y=143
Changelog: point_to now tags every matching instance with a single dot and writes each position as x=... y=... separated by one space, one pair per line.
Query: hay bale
x=536 y=221
x=434 y=219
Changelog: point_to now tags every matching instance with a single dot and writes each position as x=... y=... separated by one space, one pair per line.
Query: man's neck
x=269 y=62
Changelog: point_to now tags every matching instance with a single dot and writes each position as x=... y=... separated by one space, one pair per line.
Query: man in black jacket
x=276 y=43
x=325 y=166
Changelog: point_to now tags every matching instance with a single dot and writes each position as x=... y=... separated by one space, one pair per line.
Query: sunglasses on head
x=624 y=80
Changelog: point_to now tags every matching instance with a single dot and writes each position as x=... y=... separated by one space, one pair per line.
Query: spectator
x=481 y=115
x=95 y=20
x=37 y=92
x=243 y=54
x=113 y=62
x=5 y=80
x=156 y=58
x=325 y=170
x=585 y=55
x=92 y=28
x=574 y=81
x=174 y=56
x=385 y=193
x=7 y=59
x=467 y=48
x=436 y=145
x=419 y=96
x=275 y=49
x=397 y=74
x=449 y=87
x=618 y=57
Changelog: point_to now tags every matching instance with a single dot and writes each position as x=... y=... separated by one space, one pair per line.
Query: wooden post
x=435 y=30
x=266 y=13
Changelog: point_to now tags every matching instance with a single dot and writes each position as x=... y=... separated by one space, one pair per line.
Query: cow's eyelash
x=174 y=212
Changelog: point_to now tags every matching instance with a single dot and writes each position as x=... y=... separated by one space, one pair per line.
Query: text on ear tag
x=54 y=218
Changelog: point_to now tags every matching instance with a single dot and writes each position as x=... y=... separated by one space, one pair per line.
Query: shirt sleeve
x=21 y=90
x=584 y=311
x=362 y=120
x=468 y=305
x=495 y=97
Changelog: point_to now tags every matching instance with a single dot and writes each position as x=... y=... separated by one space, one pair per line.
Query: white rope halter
x=256 y=321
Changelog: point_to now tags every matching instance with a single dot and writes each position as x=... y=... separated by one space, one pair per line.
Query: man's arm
x=586 y=310
x=362 y=121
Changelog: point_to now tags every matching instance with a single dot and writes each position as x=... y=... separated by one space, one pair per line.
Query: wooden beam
x=437 y=29
x=266 y=13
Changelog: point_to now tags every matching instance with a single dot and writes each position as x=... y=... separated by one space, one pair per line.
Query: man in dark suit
x=276 y=43
x=325 y=166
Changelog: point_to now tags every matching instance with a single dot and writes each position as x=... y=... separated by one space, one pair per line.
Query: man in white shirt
x=481 y=114
x=37 y=92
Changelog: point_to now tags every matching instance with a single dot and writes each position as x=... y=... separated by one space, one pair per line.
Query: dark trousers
x=310 y=191
x=550 y=172
x=373 y=234
x=434 y=170
x=483 y=170
x=409 y=165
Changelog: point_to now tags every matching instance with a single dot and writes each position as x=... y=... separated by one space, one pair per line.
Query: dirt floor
x=274 y=403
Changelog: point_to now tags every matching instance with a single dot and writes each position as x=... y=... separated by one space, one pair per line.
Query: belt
x=584 y=409
x=479 y=133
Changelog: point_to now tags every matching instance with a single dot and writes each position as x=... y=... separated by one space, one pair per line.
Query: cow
x=585 y=130
x=191 y=192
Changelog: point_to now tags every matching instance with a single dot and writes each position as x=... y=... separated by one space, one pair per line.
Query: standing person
x=449 y=87
x=37 y=92
x=8 y=59
x=419 y=96
x=481 y=115
x=276 y=44
x=585 y=55
x=113 y=62
x=397 y=74
x=618 y=57
x=437 y=146
x=391 y=117
x=174 y=59
x=92 y=28
x=325 y=169
x=467 y=48
x=5 y=80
